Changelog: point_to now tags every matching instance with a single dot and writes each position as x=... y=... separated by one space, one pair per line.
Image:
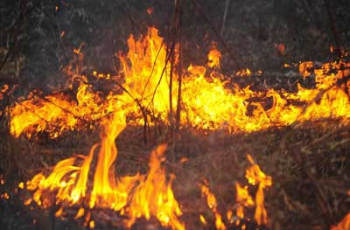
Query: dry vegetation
x=309 y=162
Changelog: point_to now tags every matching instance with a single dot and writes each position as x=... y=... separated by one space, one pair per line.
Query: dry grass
x=310 y=170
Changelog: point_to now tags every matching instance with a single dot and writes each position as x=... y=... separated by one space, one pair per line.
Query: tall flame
x=154 y=196
x=211 y=201
x=243 y=199
x=136 y=196
x=255 y=176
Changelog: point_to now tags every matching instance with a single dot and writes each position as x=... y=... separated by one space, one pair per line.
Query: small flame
x=92 y=224
x=343 y=224
x=211 y=201
x=214 y=58
x=281 y=47
x=244 y=73
x=243 y=199
x=255 y=176
x=149 y=10
x=202 y=219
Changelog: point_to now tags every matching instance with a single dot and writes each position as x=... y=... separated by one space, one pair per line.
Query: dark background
x=30 y=30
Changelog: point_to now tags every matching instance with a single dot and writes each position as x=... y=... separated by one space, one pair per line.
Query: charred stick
x=310 y=14
x=171 y=86
x=143 y=111
x=328 y=4
x=124 y=11
x=153 y=67
x=179 y=28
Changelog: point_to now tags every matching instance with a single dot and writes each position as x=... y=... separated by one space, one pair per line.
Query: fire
x=135 y=196
x=256 y=177
x=208 y=100
x=344 y=223
x=211 y=201
x=214 y=58
x=145 y=202
x=243 y=199
x=147 y=77
x=56 y=113
x=141 y=94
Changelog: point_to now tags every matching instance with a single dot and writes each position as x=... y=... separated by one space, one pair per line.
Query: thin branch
x=328 y=4
x=310 y=14
x=224 y=19
x=230 y=52
x=179 y=29
x=23 y=11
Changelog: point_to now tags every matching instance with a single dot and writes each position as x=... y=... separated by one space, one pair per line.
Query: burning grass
x=305 y=195
x=236 y=158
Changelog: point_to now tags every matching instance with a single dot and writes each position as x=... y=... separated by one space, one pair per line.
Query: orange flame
x=211 y=201
x=255 y=176
x=138 y=195
x=208 y=102
x=154 y=196
x=343 y=224
x=243 y=199
x=214 y=58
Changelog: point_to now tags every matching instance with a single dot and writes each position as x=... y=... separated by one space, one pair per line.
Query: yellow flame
x=255 y=176
x=243 y=199
x=135 y=196
x=154 y=196
x=207 y=102
x=211 y=202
